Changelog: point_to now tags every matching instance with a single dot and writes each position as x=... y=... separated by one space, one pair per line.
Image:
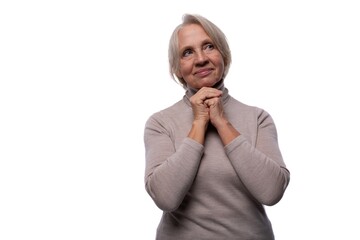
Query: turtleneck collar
x=220 y=85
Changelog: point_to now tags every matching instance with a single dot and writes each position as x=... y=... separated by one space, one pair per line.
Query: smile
x=203 y=72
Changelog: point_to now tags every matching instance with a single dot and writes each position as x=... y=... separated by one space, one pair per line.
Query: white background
x=80 y=78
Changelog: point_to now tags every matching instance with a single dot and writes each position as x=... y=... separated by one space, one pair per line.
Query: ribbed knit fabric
x=213 y=191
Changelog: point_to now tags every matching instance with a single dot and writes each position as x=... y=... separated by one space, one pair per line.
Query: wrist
x=197 y=131
x=220 y=123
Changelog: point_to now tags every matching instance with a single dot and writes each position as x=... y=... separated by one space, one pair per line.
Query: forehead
x=191 y=34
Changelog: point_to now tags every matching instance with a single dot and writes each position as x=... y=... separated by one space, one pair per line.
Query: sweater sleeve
x=260 y=165
x=169 y=172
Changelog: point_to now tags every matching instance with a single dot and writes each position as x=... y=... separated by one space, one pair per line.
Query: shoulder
x=248 y=110
x=168 y=114
x=234 y=103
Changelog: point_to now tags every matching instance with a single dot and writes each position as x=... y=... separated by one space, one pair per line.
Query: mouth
x=203 y=72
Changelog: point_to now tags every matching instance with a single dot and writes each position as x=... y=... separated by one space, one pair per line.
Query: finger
x=213 y=101
x=207 y=93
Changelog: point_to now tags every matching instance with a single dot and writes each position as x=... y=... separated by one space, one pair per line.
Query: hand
x=218 y=119
x=216 y=111
x=206 y=100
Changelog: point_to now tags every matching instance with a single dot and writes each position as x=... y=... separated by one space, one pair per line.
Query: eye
x=187 y=52
x=209 y=47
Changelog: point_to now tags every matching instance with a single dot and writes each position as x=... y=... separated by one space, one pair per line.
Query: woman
x=212 y=162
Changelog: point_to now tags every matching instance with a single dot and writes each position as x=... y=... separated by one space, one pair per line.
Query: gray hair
x=215 y=34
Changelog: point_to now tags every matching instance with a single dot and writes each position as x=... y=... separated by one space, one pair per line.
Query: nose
x=201 y=58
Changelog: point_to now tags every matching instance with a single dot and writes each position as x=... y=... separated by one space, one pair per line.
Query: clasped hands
x=207 y=106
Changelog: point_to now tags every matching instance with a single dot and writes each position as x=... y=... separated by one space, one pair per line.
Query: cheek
x=221 y=64
x=185 y=69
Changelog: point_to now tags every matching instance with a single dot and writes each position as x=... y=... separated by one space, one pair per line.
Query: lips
x=203 y=72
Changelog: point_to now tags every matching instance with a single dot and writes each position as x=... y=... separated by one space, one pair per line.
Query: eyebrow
x=205 y=41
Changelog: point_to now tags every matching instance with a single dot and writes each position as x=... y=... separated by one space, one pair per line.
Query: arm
x=169 y=173
x=260 y=166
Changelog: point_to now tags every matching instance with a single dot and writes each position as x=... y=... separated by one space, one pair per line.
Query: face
x=201 y=64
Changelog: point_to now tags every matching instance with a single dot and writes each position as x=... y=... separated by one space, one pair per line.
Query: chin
x=206 y=83
x=211 y=83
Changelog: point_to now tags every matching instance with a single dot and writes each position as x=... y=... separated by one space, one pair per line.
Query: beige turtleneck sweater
x=213 y=191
